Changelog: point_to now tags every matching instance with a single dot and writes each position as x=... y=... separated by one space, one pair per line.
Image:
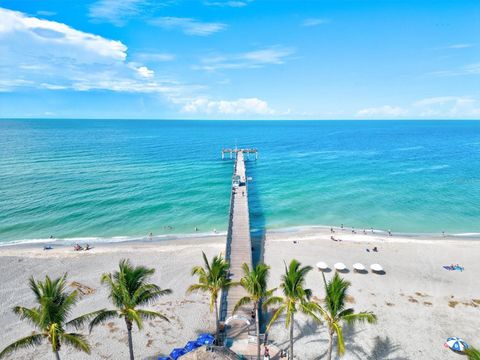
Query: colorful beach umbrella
x=165 y=358
x=176 y=353
x=456 y=344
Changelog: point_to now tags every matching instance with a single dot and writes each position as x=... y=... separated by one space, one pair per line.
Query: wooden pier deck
x=238 y=252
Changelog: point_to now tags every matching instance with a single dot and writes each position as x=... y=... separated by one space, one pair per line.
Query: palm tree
x=295 y=298
x=128 y=290
x=472 y=354
x=335 y=312
x=212 y=278
x=255 y=283
x=49 y=318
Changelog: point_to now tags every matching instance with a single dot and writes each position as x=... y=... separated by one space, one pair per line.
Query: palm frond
x=150 y=315
x=103 y=315
x=134 y=316
x=368 y=317
x=26 y=342
x=80 y=321
x=275 y=316
x=340 y=342
x=242 y=302
x=77 y=341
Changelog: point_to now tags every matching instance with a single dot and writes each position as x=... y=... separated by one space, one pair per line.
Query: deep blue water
x=86 y=178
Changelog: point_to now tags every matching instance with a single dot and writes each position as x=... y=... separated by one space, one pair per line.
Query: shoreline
x=181 y=241
x=313 y=230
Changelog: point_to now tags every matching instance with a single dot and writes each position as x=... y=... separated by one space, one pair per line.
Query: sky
x=240 y=59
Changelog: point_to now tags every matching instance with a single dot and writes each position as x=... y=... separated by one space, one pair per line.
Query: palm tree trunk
x=130 y=341
x=330 y=344
x=257 y=323
x=291 y=338
x=217 y=327
x=57 y=355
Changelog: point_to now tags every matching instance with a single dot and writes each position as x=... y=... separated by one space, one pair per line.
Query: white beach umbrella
x=358 y=267
x=321 y=265
x=339 y=266
x=457 y=344
x=376 y=267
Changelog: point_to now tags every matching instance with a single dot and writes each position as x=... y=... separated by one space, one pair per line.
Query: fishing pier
x=238 y=247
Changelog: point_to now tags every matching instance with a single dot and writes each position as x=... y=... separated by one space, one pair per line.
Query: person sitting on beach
x=332 y=238
x=364 y=232
x=48 y=247
x=331 y=230
x=87 y=247
x=389 y=232
x=375 y=249
x=77 y=247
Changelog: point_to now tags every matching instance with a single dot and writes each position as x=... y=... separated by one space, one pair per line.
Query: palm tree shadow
x=383 y=348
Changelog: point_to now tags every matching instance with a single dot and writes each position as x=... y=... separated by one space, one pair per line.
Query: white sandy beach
x=418 y=303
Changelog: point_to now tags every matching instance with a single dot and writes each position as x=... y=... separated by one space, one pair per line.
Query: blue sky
x=252 y=59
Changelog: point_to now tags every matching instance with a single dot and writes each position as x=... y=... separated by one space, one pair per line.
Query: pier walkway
x=238 y=252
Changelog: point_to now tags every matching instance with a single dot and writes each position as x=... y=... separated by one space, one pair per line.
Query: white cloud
x=235 y=4
x=448 y=107
x=154 y=57
x=21 y=33
x=470 y=69
x=386 y=110
x=314 y=22
x=114 y=11
x=52 y=56
x=439 y=107
x=188 y=26
x=274 y=55
x=245 y=106
x=145 y=72
x=460 y=46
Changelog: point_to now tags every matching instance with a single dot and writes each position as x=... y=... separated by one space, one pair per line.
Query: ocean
x=115 y=180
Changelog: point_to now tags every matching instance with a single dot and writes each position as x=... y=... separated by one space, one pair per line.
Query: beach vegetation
x=254 y=281
x=213 y=277
x=472 y=354
x=334 y=312
x=296 y=298
x=49 y=318
x=128 y=290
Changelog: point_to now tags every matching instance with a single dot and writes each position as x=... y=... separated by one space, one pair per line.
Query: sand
x=418 y=303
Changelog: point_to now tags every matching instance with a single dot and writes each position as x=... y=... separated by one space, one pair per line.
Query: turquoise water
x=124 y=179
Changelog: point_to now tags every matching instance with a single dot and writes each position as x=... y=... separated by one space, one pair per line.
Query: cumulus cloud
x=273 y=55
x=386 y=110
x=49 y=55
x=188 y=26
x=246 y=106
